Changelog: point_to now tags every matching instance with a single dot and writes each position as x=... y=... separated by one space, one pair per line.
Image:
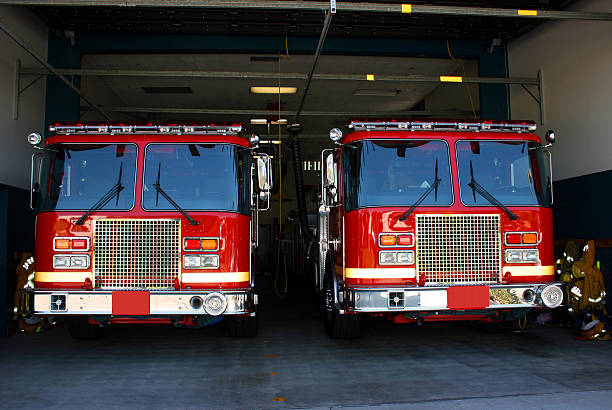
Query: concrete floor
x=293 y=364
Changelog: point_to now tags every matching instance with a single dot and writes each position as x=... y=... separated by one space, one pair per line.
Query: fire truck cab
x=152 y=223
x=435 y=220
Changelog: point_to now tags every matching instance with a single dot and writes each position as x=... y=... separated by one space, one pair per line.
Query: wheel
x=242 y=326
x=80 y=328
x=337 y=325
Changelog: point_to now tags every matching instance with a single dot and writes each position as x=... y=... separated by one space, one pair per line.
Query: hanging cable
x=467 y=86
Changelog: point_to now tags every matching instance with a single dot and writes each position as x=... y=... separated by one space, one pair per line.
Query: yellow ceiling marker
x=406 y=8
x=527 y=12
x=451 y=79
x=279 y=399
x=370 y=77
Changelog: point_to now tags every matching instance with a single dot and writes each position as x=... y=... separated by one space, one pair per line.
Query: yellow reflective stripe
x=214 y=277
x=529 y=270
x=527 y=12
x=406 y=8
x=62 y=276
x=380 y=273
x=451 y=79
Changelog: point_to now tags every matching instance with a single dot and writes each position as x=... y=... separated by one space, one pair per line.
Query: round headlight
x=335 y=134
x=34 y=138
x=552 y=296
x=215 y=304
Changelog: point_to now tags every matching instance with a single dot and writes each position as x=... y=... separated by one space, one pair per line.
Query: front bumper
x=100 y=302
x=435 y=298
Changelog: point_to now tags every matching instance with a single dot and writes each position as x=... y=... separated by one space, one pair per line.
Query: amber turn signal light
x=62 y=244
x=387 y=240
x=530 y=238
x=210 y=244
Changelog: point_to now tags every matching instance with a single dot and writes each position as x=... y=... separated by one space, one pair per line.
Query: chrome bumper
x=435 y=298
x=94 y=302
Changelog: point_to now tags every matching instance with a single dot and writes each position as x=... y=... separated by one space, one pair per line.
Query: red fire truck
x=435 y=220
x=150 y=223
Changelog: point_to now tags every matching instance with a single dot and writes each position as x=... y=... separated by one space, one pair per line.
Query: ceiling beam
x=323 y=5
x=221 y=111
x=95 y=72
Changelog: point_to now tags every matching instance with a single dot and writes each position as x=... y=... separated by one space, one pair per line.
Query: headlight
x=552 y=296
x=61 y=261
x=191 y=261
x=71 y=261
x=210 y=261
x=531 y=255
x=200 y=261
x=521 y=256
x=405 y=257
x=387 y=258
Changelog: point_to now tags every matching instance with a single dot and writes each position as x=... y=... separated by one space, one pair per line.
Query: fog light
x=215 y=304
x=196 y=302
x=387 y=258
x=528 y=296
x=61 y=261
x=552 y=296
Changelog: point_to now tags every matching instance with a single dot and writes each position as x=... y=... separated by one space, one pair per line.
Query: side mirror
x=550 y=137
x=264 y=173
x=35 y=177
x=329 y=170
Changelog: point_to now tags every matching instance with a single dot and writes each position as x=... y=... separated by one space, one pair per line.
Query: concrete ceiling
x=234 y=94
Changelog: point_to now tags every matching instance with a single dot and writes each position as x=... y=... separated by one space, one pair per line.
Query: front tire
x=338 y=326
x=242 y=326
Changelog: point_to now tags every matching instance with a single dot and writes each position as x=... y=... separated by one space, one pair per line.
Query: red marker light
x=404 y=240
x=192 y=244
x=514 y=239
x=79 y=244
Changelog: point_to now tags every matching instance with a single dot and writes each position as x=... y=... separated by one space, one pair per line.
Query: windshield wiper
x=115 y=190
x=160 y=190
x=432 y=187
x=476 y=187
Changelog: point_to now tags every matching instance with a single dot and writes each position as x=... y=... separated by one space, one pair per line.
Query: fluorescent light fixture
x=259 y=121
x=273 y=90
x=280 y=121
x=376 y=92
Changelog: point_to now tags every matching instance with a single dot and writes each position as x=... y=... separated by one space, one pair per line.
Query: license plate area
x=467 y=297
x=131 y=302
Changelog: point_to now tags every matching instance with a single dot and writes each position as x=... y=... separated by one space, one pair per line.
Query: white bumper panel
x=435 y=298
x=160 y=303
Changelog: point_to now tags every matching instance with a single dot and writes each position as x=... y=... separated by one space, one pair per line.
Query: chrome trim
x=201 y=238
x=80 y=302
x=375 y=300
x=522 y=244
x=71 y=238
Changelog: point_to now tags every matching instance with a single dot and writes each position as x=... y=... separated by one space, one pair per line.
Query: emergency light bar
x=157 y=128
x=440 y=125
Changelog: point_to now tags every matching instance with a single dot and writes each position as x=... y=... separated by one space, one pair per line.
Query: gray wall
x=15 y=152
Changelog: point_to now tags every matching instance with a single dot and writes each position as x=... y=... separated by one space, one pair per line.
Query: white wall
x=15 y=152
x=576 y=61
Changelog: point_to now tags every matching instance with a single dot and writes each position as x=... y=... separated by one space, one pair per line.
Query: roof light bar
x=151 y=128
x=440 y=125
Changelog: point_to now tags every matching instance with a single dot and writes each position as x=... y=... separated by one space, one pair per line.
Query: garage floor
x=294 y=364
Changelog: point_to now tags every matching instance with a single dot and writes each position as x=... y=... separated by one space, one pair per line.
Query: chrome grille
x=136 y=253
x=458 y=248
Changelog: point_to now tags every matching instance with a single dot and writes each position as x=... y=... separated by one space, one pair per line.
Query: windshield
x=514 y=172
x=197 y=177
x=76 y=176
x=395 y=173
